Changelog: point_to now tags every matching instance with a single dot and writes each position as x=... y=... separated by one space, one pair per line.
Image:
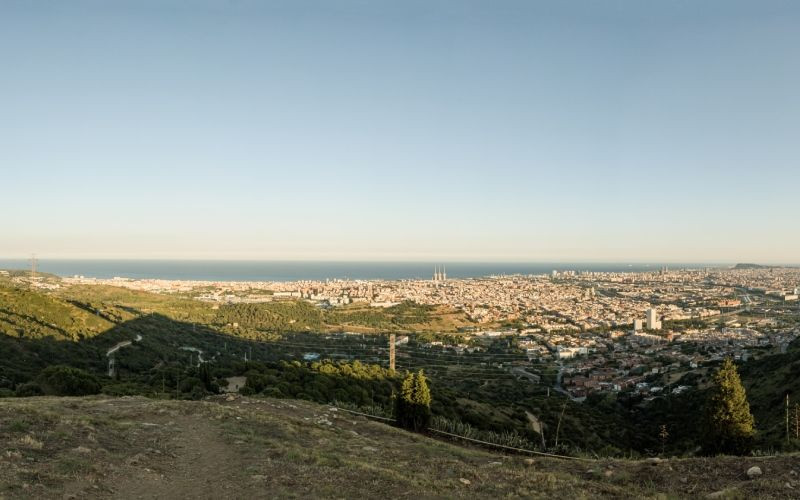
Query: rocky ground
x=251 y=448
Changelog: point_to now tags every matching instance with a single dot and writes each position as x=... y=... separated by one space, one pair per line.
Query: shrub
x=61 y=380
x=28 y=389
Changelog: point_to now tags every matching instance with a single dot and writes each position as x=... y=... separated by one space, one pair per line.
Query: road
x=198 y=351
x=122 y=344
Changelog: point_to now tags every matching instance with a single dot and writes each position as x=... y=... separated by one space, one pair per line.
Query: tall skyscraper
x=652 y=320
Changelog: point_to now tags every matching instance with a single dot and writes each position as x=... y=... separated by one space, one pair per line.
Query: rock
x=230 y=397
x=136 y=459
x=608 y=473
x=754 y=472
x=465 y=481
x=653 y=461
x=529 y=461
x=722 y=493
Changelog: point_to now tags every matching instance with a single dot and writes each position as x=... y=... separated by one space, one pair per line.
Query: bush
x=28 y=389
x=60 y=380
x=6 y=393
x=127 y=389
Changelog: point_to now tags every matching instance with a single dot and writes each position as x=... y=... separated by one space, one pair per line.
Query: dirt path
x=196 y=462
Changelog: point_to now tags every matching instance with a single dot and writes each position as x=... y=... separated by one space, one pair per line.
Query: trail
x=198 y=464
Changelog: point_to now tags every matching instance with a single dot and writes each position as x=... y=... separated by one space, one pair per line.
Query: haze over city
x=446 y=130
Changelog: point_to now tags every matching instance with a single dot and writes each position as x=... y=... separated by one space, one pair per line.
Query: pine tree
x=422 y=403
x=413 y=404
x=729 y=423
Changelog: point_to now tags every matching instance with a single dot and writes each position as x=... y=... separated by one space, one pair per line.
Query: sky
x=417 y=130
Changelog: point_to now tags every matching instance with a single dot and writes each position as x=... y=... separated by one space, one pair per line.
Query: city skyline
x=440 y=131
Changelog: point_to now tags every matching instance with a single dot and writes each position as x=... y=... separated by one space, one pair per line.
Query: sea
x=240 y=270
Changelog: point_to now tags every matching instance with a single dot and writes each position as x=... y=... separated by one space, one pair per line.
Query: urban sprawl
x=604 y=331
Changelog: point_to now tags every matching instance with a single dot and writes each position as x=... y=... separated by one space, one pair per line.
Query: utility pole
x=391 y=351
x=787 y=417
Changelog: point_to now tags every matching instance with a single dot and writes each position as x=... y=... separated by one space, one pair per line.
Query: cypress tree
x=413 y=404
x=729 y=423
x=422 y=402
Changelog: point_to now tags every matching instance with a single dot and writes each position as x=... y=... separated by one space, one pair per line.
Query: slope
x=135 y=447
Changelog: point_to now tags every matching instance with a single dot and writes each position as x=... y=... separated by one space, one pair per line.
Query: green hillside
x=29 y=314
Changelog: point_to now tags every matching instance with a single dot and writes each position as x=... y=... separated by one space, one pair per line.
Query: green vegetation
x=25 y=313
x=729 y=423
x=59 y=380
x=413 y=403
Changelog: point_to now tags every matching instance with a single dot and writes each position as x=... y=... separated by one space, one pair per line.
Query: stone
x=465 y=481
x=754 y=472
x=722 y=493
x=653 y=461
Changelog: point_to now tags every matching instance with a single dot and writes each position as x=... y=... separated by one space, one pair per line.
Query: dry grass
x=134 y=447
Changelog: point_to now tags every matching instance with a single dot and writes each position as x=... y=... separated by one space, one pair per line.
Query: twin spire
x=439 y=275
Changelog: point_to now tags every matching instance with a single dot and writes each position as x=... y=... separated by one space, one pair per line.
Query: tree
x=729 y=423
x=413 y=404
x=61 y=380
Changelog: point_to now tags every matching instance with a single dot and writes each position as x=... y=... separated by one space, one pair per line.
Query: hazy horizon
x=508 y=131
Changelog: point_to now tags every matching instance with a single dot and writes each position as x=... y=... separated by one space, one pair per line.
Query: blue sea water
x=219 y=270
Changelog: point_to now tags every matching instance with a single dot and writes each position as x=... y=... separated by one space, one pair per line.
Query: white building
x=652 y=320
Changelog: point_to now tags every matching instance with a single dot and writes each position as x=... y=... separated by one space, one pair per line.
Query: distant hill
x=750 y=266
x=102 y=447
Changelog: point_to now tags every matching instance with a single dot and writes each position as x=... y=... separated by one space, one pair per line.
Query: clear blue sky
x=416 y=130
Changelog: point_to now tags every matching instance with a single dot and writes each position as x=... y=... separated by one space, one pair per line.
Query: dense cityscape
x=604 y=331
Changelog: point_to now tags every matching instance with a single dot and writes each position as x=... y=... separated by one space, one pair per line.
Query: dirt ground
x=266 y=448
